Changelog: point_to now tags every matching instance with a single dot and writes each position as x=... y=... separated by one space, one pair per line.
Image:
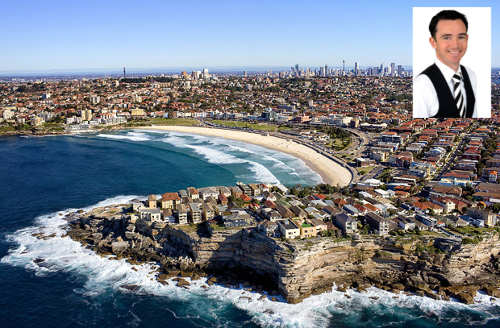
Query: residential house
x=182 y=214
x=152 y=201
x=320 y=225
x=236 y=218
x=208 y=212
x=288 y=229
x=136 y=205
x=300 y=213
x=346 y=223
x=268 y=228
x=307 y=230
x=193 y=193
x=378 y=224
x=150 y=214
x=284 y=212
x=245 y=188
x=207 y=192
x=405 y=223
x=170 y=200
x=255 y=189
x=195 y=213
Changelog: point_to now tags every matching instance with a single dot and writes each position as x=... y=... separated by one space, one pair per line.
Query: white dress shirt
x=425 y=100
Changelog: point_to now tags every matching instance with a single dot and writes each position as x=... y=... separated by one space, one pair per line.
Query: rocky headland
x=428 y=266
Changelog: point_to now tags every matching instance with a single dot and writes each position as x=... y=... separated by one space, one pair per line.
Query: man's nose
x=454 y=42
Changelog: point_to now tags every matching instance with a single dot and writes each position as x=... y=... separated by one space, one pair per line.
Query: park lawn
x=7 y=128
x=470 y=230
x=174 y=121
x=340 y=143
x=254 y=126
x=366 y=169
x=53 y=126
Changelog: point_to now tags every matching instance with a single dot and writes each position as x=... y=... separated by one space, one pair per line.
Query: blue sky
x=108 y=34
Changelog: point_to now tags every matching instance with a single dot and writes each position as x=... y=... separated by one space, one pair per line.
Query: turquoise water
x=44 y=178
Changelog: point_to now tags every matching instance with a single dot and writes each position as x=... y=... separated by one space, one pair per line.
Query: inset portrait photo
x=452 y=62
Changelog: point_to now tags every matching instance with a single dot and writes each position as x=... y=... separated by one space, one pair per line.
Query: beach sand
x=331 y=172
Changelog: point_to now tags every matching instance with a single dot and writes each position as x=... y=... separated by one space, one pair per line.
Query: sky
x=62 y=35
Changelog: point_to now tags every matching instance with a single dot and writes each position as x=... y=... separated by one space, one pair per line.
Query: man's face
x=450 y=42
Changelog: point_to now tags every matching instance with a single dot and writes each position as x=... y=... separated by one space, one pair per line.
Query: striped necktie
x=457 y=94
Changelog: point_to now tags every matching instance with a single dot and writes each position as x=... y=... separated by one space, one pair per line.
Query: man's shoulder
x=469 y=70
x=428 y=69
x=422 y=79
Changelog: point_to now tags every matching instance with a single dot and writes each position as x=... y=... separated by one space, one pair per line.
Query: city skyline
x=107 y=36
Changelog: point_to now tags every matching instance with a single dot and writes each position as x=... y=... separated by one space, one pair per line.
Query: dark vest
x=447 y=106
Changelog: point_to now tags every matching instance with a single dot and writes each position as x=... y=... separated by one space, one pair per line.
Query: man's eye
x=446 y=38
x=461 y=37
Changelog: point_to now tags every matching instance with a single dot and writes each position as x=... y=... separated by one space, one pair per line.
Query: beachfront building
x=170 y=200
x=208 y=192
x=245 y=188
x=182 y=214
x=207 y=211
x=136 y=205
x=195 y=212
x=378 y=224
x=288 y=229
x=193 y=193
x=255 y=188
x=236 y=218
x=307 y=230
x=152 y=201
x=150 y=214
x=223 y=190
x=320 y=225
x=346 y=223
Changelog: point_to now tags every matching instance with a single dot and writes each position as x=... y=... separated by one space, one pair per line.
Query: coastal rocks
x=464 y=294
x=298 y=268
x=43 y=236
x=119 y=247
x=181 y=282
x=131 y=288
x=492 y=291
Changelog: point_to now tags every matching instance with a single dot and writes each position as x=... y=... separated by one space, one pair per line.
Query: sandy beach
x=330 y=171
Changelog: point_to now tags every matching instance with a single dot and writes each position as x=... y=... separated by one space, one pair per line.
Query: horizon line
x=173 y=68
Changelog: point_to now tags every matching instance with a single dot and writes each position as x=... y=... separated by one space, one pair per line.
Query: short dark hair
x=446 y=15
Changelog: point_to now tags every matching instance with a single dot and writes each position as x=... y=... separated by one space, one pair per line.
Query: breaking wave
x=132 y=136
x=56 y=252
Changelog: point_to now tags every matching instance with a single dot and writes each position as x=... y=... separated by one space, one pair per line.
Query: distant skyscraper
x=400 y=70
x=356 y=69
x=393 y=69
x=326 y=70
x=124 y=72
x=205 y=73
x=343 y=66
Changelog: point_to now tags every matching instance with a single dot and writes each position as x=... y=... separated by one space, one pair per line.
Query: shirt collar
x=447 y=71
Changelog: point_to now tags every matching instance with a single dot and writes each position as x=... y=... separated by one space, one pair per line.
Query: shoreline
x=330 y=171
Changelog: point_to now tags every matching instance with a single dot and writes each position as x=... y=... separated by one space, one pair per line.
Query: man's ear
x=432 y=41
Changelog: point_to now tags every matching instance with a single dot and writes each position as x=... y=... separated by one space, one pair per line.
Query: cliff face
x=300 y=268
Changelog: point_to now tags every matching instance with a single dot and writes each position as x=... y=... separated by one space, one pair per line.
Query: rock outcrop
x=437 y=268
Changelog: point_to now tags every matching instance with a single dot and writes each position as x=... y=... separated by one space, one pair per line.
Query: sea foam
x=132 y=136
x=57 y=252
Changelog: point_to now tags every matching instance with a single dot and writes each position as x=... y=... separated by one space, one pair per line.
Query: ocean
x=54 y=282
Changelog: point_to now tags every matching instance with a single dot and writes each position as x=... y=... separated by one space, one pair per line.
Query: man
x=446 y=88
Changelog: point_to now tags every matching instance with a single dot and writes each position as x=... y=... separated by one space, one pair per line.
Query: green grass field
x=254 y=126
x=174 y=121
